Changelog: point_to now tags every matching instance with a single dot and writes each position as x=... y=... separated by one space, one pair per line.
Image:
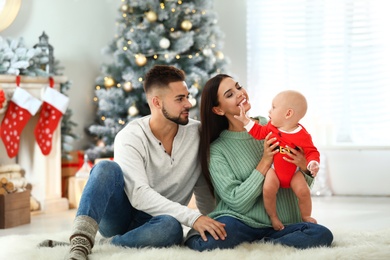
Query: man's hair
x=161 y=75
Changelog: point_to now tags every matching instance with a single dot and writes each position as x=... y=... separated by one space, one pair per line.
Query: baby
x=288 y=108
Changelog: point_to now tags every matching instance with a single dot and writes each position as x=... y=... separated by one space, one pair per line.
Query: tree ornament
x=100 y=143
x=196 y=85
x=151 y=16
x=186 y=25
x=164 y=43
x=207 y=52
x=128 y=86
x=109 y=82
x=21 y=108
x=192 y=100
x=54 y=106
x=140 y=60
x=220 y=55
x=124 y=8
x=133 y=110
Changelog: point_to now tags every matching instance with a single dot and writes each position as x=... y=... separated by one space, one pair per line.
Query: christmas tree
x=182 y=33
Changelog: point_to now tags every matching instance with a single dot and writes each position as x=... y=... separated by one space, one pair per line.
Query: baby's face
x=278 y=110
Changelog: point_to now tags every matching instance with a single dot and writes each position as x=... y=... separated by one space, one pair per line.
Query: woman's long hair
x=211 y=124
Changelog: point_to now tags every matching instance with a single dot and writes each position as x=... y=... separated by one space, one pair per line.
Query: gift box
x=69 y=167
x=15 y=209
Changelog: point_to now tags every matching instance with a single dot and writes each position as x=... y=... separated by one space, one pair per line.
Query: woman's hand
x=297 y=157
x=268 y=154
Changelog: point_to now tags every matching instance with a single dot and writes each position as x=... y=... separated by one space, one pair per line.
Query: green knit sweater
x=238 y=185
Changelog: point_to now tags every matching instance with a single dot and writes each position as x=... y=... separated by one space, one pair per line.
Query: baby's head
x=288 y=108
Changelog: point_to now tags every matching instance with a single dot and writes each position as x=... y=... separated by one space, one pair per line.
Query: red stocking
x=54 y=106
x=22 y=107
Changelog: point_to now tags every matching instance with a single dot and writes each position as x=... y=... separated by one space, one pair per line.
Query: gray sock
x=82 y=238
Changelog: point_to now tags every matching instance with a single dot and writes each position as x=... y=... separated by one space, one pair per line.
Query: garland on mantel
x=18 y=59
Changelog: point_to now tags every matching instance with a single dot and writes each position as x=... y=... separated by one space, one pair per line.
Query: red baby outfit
x=285 y=170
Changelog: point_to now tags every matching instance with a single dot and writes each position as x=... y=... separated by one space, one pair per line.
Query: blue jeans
x=105 y=200
x=299 y=235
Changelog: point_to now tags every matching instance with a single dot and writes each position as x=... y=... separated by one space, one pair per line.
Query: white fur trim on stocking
x=56 y=99
x=25 y=100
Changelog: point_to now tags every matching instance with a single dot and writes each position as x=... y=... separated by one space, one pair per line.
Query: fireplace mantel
x=43 y=172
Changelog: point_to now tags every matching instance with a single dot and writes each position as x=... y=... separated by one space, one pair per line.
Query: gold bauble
x=109 y=82
x=192 y=101
x=186 y=25
x=140 y=60
x=151 y=16
x=127 y=86
x=133 y=110
x=196 y=85
x=100 y=143
x=220 y=55
x=124 y=8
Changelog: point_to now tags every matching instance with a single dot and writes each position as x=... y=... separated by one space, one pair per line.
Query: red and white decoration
x=21 y=108
x=54 y=106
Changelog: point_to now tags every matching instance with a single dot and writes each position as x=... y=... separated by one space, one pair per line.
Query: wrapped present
x=69 y=167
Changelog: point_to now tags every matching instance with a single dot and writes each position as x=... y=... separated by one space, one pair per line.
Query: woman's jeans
x=299 y=235
x=105 y=200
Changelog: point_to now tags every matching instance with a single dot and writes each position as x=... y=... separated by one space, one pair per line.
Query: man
x=140 y=198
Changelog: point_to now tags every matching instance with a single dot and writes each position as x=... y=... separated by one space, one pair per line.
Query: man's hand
x=215 y=228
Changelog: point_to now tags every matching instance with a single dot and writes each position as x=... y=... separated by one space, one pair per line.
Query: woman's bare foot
x=276 y=223
x=309 y=219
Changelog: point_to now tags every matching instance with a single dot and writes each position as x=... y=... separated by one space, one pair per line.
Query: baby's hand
x=242 y=116
x=314 y=167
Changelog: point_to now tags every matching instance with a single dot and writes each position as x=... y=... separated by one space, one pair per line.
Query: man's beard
x=176 y=120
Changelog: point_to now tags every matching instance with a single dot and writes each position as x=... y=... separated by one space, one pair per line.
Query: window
x=336 y=52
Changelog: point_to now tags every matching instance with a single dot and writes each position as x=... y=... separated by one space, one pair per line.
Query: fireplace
x=42 y=172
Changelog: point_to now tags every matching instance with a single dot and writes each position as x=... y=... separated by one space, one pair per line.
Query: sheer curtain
x=336 y=52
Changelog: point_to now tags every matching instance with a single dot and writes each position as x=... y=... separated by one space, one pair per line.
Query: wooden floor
x=335 y=212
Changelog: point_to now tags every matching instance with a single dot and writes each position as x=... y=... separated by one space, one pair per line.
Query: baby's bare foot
x=276 y=223
x=309 y=219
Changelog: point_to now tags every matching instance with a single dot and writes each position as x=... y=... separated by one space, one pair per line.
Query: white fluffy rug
x=346 y=245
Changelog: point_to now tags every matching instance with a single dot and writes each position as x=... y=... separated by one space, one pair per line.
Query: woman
x=235 y=165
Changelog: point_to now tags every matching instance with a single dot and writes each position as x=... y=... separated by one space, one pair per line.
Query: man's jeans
x=299 y=235
x=105 y=200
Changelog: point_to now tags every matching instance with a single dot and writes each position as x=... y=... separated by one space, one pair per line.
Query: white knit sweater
x=156 y=182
